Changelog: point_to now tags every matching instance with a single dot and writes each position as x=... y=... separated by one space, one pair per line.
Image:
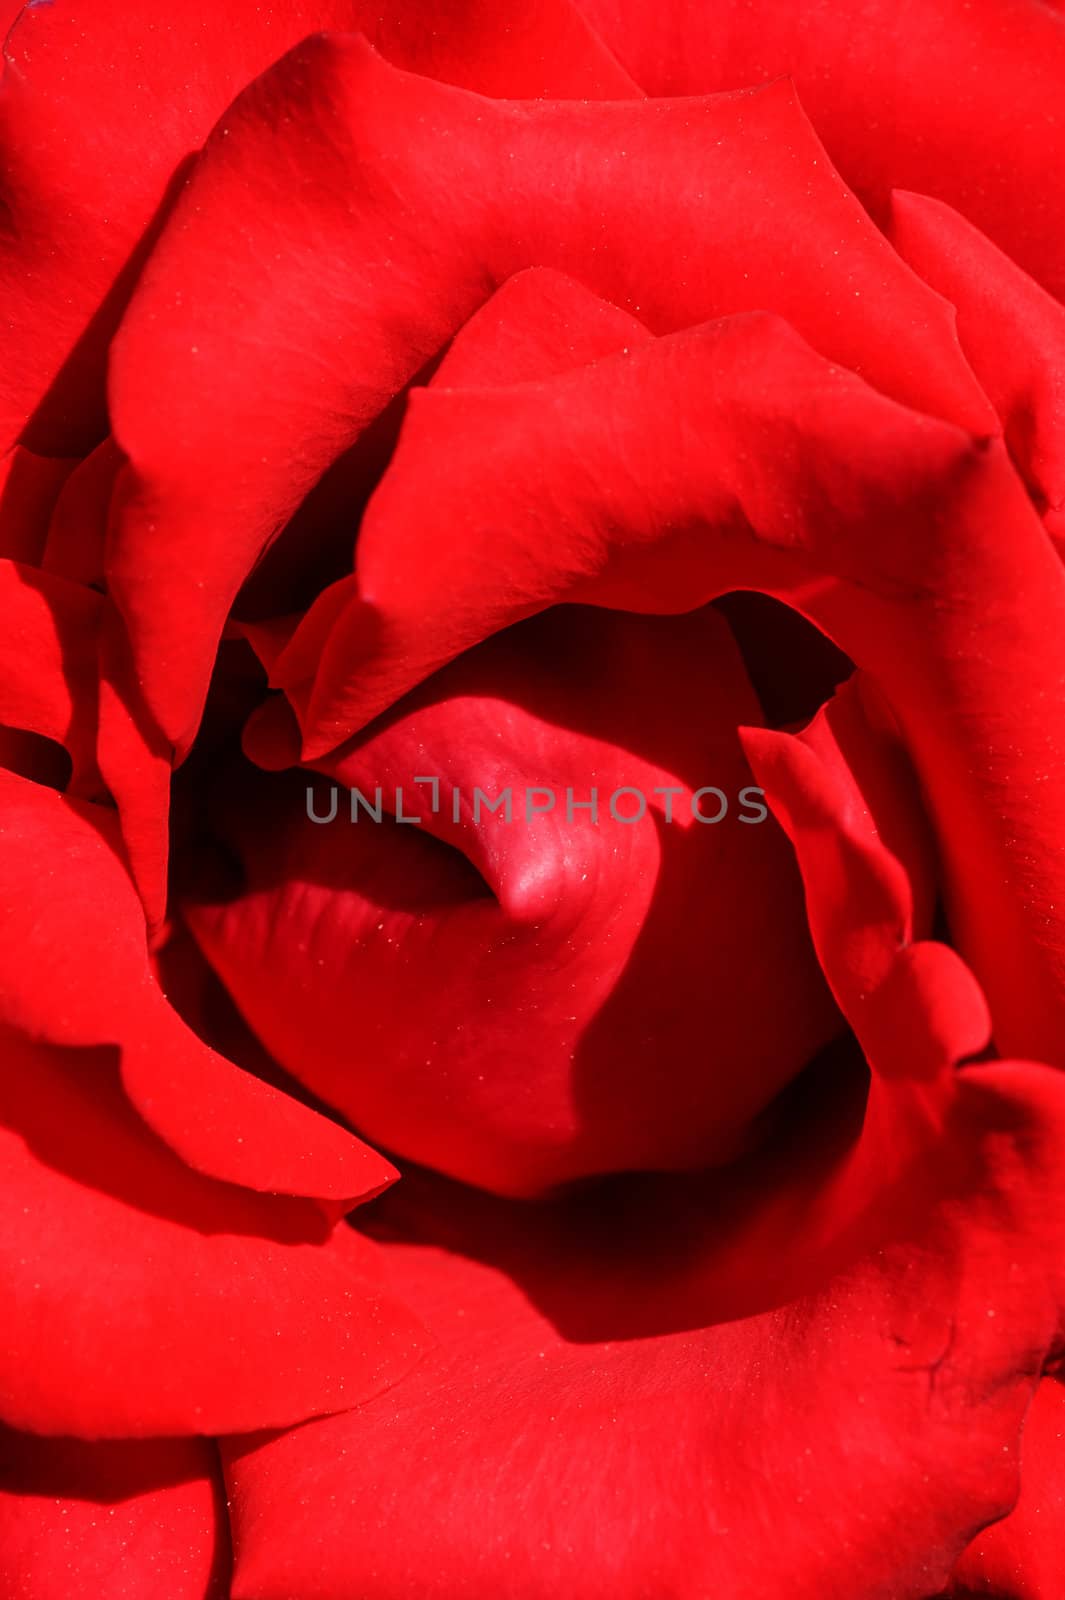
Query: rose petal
x=847 y=1444
x=535 y=48
x=538 y=323
x=873 y=77
x=140 y=1298
x=856 y=825
x=235 y=429
x=1012 y=331
x=849 y=1158
x=1021 y=1558
x=139 y=1520
x=65 y=889
x=466 y=1097
x=78 y=530
x=887 y=529
x=81 y=214
x=29 y=487
x=722 y=403
x=850 y=806
x=620 y=1425
x=859 y=790
x=136 y=763
x=567 y=965
x=48 y=662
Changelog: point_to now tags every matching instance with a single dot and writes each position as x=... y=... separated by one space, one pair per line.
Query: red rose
x=530 y=540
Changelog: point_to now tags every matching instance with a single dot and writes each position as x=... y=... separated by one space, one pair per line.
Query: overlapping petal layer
x=29 y=487
x=233 y=391
x=65 y=888
x=539 y=323
x=116 y=1243
x=1013 y=333
x=879 y=1418
x=814 y=1370
x=142 y=1298
x=621 y=1425
x=731 y=456
x=81 y=214
x=48 y=663
x=570 y=921
x=557 y=873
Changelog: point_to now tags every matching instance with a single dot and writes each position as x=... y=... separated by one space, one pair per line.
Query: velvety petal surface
x=539 y=323
x=132 y=1521
x=65 y=889
x=142 y=1298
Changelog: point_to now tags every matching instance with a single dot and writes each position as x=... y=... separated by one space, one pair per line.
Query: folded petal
x=608 y=977
x=537 y=324
x=1012 y=331
x=722 y=404
x=903 y=539
x=873 y=900
x=78 y=528
x=136 y=763
x=78 y=1520
x=226 y=431
x=65 y=890
x=139 y=1297
x=617 y=1425
x=849 y=1152
x=29 y=487
x=48 y=662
